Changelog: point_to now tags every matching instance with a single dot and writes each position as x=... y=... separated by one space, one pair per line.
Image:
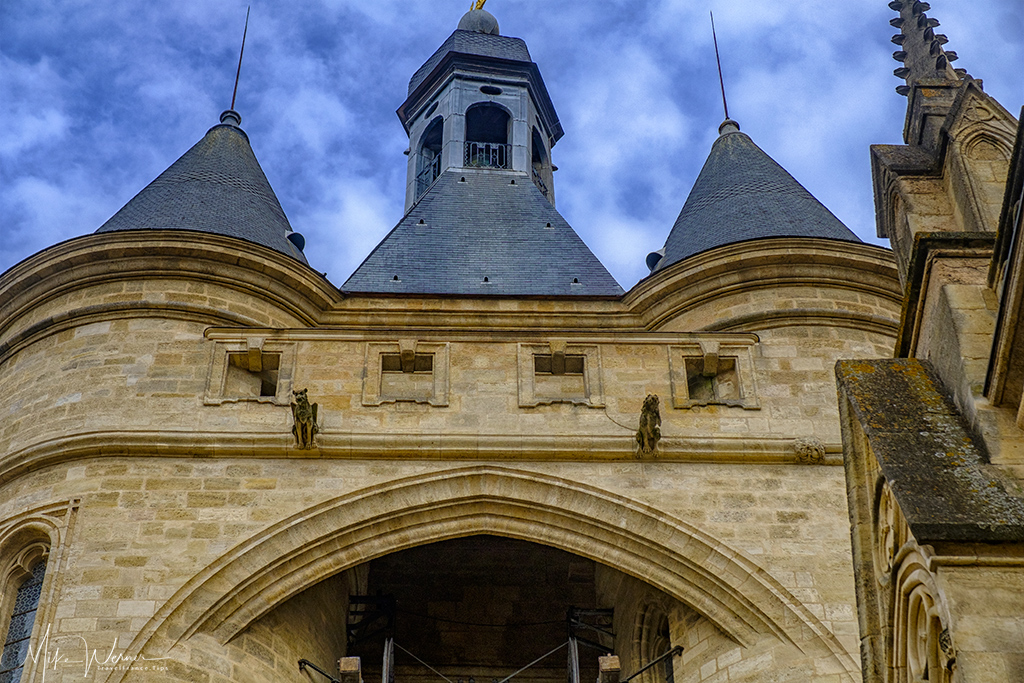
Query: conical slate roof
x=743 y=194
x=217 y=187
x=483 y=233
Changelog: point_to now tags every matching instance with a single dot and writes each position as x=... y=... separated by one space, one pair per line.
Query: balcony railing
x=488 y=154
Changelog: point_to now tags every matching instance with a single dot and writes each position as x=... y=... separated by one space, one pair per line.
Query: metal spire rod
x=721 y=81
x=480 y=4
x=240 y=53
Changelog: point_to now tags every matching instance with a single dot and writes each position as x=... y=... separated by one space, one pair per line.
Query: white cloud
x=30 y=107
x=341 y=232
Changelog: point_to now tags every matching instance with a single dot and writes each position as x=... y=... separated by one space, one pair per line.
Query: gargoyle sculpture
x=650 y=425
x=305 y=427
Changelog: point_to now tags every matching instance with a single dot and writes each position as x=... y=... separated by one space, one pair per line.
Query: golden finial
x=479 y=4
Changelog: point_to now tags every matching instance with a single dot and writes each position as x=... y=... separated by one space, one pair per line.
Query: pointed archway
x=259 y=574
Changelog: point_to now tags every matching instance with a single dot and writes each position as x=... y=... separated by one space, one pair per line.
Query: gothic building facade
x=479 y=457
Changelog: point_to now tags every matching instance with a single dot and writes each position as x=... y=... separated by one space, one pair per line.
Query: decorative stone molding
x=652 y=639
x=810 y=450
x=713 y=373
x=406 y=371
x=922 y=645
x=559 y=372
x=251 y=369
x=889 y=532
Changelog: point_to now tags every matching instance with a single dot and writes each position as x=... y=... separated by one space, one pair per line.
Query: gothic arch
x=981 y=142
x=428 y=155
x=921 y=649
x=294 y=554
x=34 y=537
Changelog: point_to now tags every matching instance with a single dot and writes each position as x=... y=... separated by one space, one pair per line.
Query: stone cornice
x=760 y=265
x=404 y=446
x=147 y=254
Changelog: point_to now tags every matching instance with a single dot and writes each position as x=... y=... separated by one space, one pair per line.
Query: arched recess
x=488 y=136
x=428 y=163
x=263 y=572
x=36 y=536
x=921 y=647
x=983 y=144
x=540 y=164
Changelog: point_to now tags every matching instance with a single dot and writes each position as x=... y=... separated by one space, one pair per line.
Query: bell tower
x=480 y=217
x=479 y=102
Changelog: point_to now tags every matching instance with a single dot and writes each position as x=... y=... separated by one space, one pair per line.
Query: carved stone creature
x=650 y=425
x=305 y=427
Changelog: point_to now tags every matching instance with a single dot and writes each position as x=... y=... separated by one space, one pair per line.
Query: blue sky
x=97 y=99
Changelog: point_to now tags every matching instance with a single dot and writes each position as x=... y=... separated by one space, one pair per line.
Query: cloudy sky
x=97 y=99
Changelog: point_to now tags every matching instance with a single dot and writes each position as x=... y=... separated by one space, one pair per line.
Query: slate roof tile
x=218 y=187
x=743 y=194
x=473 y=43
x=483 y=227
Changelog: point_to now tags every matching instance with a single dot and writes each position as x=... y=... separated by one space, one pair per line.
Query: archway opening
x=540 y=168
x=429 y=162
x=479 y=609
x=487 y=136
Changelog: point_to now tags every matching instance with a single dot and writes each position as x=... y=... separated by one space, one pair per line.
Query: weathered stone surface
x=935 y=466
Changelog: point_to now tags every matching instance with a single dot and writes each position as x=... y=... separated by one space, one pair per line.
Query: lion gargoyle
x=649 y=433
x=305 y=427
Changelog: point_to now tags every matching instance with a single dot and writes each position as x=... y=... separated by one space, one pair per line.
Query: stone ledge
x=397 y=446
x=938 y=469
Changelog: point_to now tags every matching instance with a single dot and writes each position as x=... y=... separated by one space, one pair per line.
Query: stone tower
x=480 y=214
x=476 y=454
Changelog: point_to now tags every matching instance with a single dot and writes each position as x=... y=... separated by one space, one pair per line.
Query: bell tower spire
x=480 y=217
x=479 y=102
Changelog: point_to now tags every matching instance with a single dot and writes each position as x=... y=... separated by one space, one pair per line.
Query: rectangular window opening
x=722 y=386
x=392 y=362
x=243 y=381
x=542 y=364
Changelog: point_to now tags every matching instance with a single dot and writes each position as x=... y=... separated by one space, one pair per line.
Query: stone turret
x=743 y=194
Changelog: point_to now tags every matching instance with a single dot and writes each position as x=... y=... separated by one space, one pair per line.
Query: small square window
x=573 y=375
x=250 y=370
x=243 y=382
x=423 y=378
x=716 y=370
x=717 y=388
